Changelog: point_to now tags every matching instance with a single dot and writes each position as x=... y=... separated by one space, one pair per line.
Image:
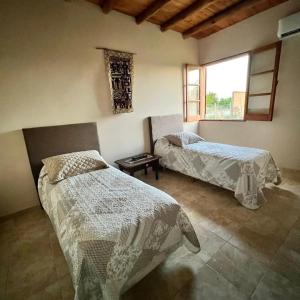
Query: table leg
x=156 y=171
x=131 y=173
x=146 y=171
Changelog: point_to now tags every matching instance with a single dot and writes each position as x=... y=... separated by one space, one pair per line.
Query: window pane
x=259 y=105
x=193 y=108
x=226 y=84
x=261 y=83
x=193 y=75
x=263 y=61
x=192 y=92
x=238 y=105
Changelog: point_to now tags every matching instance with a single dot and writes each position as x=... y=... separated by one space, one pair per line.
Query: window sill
x=222 y=120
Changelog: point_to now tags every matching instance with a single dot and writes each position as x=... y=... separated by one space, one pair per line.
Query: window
x=241 y=87
x=192 y=93
x=226 y=87
x=262 y=82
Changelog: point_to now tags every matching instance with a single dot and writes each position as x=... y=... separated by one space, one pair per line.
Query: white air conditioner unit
x=289 y=26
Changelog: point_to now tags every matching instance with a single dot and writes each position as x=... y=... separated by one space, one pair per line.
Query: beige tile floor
x=245 y=254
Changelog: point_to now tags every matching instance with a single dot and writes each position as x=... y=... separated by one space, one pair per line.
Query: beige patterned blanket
x=113 y=229
x=240 y=169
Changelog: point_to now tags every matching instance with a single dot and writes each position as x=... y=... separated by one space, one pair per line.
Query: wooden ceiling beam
x=198 y=5
x=150 y=10
x=217 y=17
x=227 y=13
x=107 y=5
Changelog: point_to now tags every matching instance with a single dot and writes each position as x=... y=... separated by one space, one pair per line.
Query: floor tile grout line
x=244 y=254
x=219 y=274
x=260 y=280
x=214 y=233
x=211 y=232
x=270 y=264
x=267 y=265
x=225 y=279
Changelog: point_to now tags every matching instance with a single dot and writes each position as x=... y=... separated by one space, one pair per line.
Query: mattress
x=113 y=229
x=240 y=169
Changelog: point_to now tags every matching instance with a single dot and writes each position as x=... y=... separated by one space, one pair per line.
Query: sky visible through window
x=226 y=84
x=225 y=77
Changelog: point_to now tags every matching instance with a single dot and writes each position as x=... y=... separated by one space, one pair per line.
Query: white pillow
x=71 y=164
x=183 y=138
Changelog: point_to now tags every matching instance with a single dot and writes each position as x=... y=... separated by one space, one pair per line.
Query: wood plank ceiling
x=192 y=18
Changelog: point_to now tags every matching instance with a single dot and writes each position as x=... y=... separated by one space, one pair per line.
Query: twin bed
x=243 y=170
x=113 y=229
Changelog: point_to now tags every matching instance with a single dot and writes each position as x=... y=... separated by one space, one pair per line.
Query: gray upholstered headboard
x=160 y=126
x=42 y=142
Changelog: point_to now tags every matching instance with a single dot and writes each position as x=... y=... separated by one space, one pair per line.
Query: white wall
x=282 y=135
x=51 y=74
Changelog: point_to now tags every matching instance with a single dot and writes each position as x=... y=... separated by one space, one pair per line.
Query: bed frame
x=42 y=142
x=160 y=126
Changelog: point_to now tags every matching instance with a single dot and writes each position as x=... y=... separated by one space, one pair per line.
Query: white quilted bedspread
x=113 y=229
x=240 y=169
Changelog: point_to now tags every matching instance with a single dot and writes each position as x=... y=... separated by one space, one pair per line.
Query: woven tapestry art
x=119 y=67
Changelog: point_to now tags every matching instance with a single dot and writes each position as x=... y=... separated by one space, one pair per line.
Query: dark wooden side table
x=131 y=165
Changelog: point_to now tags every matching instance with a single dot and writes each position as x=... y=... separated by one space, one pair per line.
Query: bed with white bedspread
x=113 y=229
x=243 y=170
